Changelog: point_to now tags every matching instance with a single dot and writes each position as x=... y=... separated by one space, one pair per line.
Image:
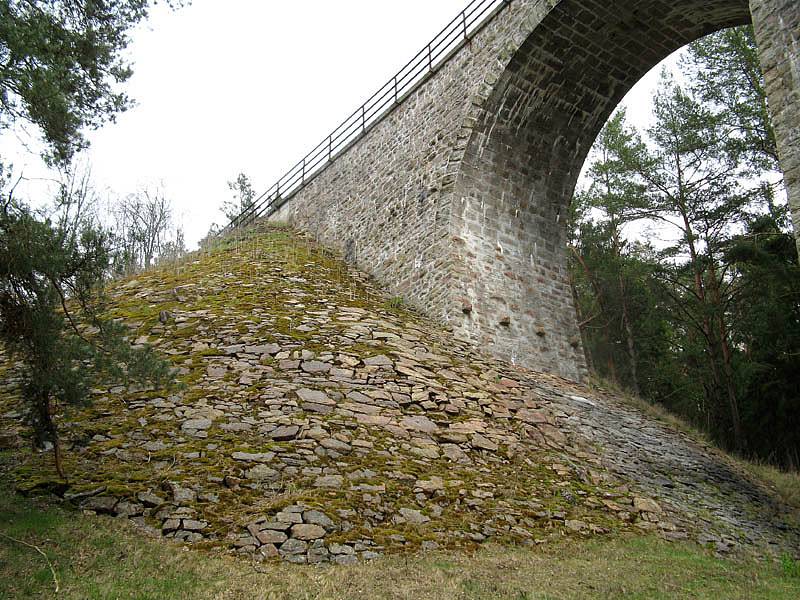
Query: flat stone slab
x=264 y=457
x=263 y=473
x=314 y=397
x=378 y=361
x=308 y=532
x=263 y=349
x=419 y=423
x=284 y=433
x=197 y=424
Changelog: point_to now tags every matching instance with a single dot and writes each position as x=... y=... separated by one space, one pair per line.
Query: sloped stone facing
x=457 y=201
x=410 y=440
x=777 y=27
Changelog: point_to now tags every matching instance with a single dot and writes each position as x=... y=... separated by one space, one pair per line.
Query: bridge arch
x=528 y=140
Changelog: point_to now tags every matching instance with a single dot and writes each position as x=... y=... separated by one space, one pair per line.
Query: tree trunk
x=612 y=369
x=727 y=360
x=49 y=430
x=575 y=300
x=626 y=323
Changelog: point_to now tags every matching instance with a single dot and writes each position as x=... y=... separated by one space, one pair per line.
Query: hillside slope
x=319 y=421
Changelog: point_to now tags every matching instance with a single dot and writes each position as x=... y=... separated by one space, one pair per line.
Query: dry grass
x=785 y=485
x=98 y=557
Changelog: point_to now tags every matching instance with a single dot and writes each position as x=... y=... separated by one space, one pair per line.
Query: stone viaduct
x=457 y=199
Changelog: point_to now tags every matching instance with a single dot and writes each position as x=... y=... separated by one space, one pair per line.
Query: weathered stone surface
x=262 y=473
x=336 y=445
x=182 y=495
x=316 y=517
x=271 y=536
x=264 y=457
x=275 y=525
x=128 y=509
x=413 y=516
x=314 y=366
x=378 y=361
x=293 y=547
x=341 y=549
x=418 y=423
x=197 y=424
x=307 y=532
x=318 y=555
x=100 y=504
x=314 y=397
x=434 y=484
x=531 y=416
x=284 y=433
x=345 y=559
x=646 y=505
x=329 y=481
x=150 y=500
x=291 y=517
x=193 y=525
x=263 y=349
x=170 y=525
x=483 y=443
x=575 y=525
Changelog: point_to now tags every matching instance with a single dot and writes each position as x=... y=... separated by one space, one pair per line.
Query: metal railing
x=428 y=61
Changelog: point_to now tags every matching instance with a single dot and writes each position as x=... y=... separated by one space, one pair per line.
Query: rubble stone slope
x=318 y=421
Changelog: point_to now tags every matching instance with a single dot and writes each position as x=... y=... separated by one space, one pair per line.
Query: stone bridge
x=457 y=199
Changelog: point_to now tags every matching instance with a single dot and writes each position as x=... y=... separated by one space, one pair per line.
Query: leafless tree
x=76 y=202
x=143 y=223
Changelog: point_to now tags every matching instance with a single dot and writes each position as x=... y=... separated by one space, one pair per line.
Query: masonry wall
x=458 y=200
x=777 y=27
x=386 y=202
x=523 y=159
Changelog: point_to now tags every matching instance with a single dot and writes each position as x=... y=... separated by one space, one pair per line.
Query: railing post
x=330 y=147
x=464 y=20
x=395 y=89
x=304 y=171
x=430 y=58
x=363 y=118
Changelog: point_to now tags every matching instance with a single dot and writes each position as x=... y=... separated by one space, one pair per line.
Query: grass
x=790 y=566
x=98 y=557
x=785 y=484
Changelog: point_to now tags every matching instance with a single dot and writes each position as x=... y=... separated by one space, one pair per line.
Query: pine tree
x=51 y=306
x=62 y=63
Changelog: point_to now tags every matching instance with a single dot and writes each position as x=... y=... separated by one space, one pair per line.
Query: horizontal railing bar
x=427 y=61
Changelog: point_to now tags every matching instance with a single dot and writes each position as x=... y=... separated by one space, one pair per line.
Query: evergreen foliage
x=243 y=197
x=51 y=304
x=707 y=322
x=61 y=62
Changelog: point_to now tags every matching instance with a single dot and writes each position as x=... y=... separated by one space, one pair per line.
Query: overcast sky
x=240 y=85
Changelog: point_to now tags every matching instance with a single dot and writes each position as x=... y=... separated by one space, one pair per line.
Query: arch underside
x=524 y=156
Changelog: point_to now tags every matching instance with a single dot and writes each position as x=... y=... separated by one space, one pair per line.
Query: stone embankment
x=317 y=421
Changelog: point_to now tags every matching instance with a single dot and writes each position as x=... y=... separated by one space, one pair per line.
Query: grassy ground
x=95 y=557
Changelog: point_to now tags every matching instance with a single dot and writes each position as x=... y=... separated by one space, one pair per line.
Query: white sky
x=224 y=87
